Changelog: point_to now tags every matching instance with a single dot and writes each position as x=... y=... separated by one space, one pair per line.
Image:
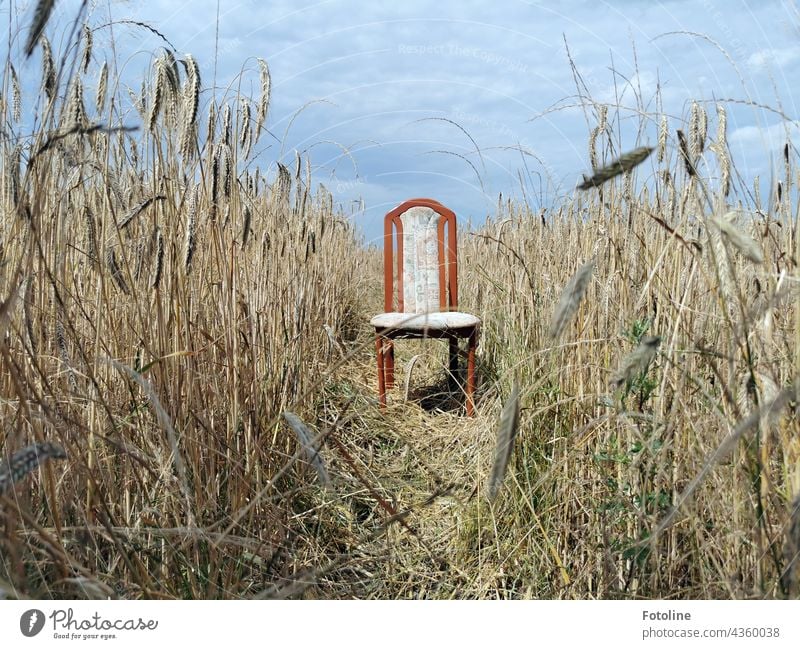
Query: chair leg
x=452 y=379
x=389 y=358
x=381 y=371
x=473 y=343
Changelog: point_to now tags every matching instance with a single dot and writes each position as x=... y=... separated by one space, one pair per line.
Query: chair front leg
x=381 y=370
x=473 y=343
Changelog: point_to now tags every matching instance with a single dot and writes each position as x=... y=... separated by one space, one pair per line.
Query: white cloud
x=771 y=138
x=774 y=57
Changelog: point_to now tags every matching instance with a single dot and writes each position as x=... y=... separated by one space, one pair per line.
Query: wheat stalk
x=26 y=312
x=61 y=343
x=766 y=413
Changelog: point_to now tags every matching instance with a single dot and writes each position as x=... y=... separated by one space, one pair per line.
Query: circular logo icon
x=31 y=622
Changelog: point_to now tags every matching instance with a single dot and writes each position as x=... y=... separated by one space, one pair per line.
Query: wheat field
x=188 y=386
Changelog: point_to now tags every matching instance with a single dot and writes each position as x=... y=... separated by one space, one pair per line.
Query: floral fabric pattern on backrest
x=420 y=260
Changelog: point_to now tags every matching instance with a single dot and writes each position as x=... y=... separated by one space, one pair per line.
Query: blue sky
x=386 y=81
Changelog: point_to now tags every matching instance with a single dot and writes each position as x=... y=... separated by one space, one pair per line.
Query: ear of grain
x=211 y=124
x=624 y=163
x=263 y=104
x=75 y=111
x=593 y=159
x=88 y=40
x=190 y=104
x=745 y=244
x=721 y=150
x=683 y=147
x=138 y=209
x=172 y=75
x=16 y=95
x=102 y=85
x=570 y=299
x=91 y=235
x=116 y=271
x=227 y=121
x=663 y=131
x=506 y=433
x=191 y=217
x=697 y=130
x=225 y=171
x=26 y=460
x=40 y=17
x=310 y=447
x=245 y=131
x=248 y=217
x=157 y=99
x=48 y=70
x=636 y=362
x=159 y=262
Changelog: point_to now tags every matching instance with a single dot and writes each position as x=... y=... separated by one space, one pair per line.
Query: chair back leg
x=452 y=368
x=381 y=370
x=389 y=360
x=473 y=343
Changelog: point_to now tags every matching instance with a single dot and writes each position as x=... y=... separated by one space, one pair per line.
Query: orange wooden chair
x=423 y=301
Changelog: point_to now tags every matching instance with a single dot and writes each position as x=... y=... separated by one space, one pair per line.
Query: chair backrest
x=426 y=266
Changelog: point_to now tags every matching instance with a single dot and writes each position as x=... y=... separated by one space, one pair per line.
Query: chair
x=423 y=301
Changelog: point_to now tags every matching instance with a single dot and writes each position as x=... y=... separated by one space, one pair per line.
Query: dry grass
x=166 y=308
x=160 y=317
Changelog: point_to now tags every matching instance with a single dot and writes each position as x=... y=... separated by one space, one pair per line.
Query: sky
x=462 y=101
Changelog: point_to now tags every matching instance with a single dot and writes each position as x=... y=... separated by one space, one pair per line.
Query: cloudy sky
x=461 y=101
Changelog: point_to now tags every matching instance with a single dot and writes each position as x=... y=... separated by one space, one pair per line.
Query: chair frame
x=448 y=298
